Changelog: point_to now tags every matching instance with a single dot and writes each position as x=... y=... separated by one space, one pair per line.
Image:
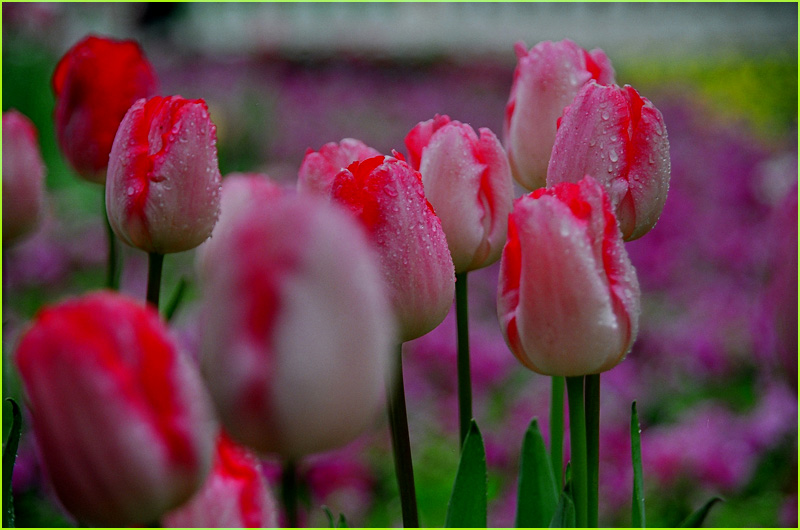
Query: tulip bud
x=620 y=139
x=23 y=177
x=568 y=296
x=238 y=191
x=162 y=192
x=235 y=495
x=320 y=168
x=95 y=83
x=387 y=195
x=298 y=333
x=124 y=425
x=468 y=181
x=545 y=81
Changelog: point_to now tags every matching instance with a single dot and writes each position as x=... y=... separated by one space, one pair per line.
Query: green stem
x=592 y=402
x=112 y=276
x=289 y=492
x=155 y=264
x=557 y=429
x=577 y=438
x=464 y=378
x=401 y=445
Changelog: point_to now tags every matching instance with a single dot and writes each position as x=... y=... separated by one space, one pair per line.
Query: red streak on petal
x=238 y=465
x=591 y=66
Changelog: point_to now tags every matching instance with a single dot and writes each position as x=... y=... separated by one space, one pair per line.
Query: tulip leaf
x=9 y=457
x=564 y=516
x=537 y=494
x=695 y=520
x=342 y=521
x=637 y=504
x=176 y=299
x=467 y=507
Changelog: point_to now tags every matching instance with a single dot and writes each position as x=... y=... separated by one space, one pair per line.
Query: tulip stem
x=112 y=276
x=155 y=264
x=577 y=439
x=592 y=446
x=464 y=379
x=401 y=445
x=289 y=492
x=557 y=429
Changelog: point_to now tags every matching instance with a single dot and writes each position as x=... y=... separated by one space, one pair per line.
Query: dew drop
x=604 y=115
x=390 y=191
x=613 y=156
x=131 y=191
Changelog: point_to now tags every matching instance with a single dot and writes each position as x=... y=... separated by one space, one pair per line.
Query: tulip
x=388 y=197
x=23 y=177
x=546 y=79
x=468 y=181
x=619 y=138
x=124 y=424
x=237 y=192
x=162 y=192
x=235 y=495
x=319 y=168
x=568 y=296
x=95 y=83
x=297 y=330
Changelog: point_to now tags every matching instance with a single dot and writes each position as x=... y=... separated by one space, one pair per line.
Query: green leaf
x=695 y=520
x=537 y=495
x=9 y=457
x=330 y=516
x=467 y=507
x=564 y=516
x=637 y=504
x=342 y=521
x=176 y=299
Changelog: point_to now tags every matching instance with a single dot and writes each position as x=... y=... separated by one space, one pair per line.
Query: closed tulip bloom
x=95 y=83
x=319 y=168
x=468 y=181
x=124 y=425
x=162 y=192
x=298 y=331
x=23 y=177
x=235 y=495
x=388 y=197
x=546 y=79
x=619 y=138
x=568 y=296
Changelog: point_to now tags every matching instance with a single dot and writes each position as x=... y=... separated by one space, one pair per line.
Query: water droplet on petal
x=613 y=156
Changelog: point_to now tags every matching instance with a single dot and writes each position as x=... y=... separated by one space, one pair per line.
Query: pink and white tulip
x=546 y=80
x=319 y=168
x=619 y=138
x=95 y=83
x=23 y=177
x=124 y=425
x=298 y=331
x=568 y=296
x=467 y=179
x=387 y=196
x=162 y=190
x=235 y=495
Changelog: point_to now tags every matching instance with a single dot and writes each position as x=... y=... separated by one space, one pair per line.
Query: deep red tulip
x=162 y=192
x=23 y=177
x=619 y=138
x=546 y=79
x=319 y=168
x=235 y=495
x=123 y=422
x=468 y=181
x=95 y=83
x=387 y=195
x=568 y=296
x=298 y=331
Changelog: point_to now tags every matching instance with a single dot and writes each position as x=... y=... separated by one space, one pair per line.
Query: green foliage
x=696 y=518
x=9 y=457
x=564 y=516
x=467 y=507
x=637 y=506
x=537 y=494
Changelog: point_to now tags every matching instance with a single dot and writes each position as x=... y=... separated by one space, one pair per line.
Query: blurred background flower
x=714 y=369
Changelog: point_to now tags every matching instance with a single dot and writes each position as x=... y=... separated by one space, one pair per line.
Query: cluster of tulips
x=308 y=294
